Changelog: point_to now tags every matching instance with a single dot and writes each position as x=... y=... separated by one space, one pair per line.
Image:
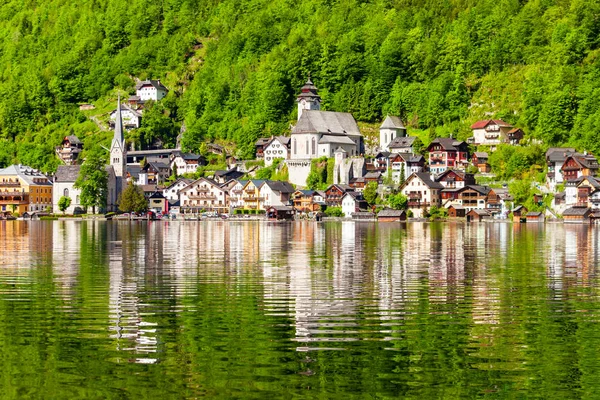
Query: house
x=374 y=176
x=275 y=193
x=251 y=194
x=24 y=189
x=319 y=133
x=69 y=150
x=363 y=216
x=493 y=132
x=379 y=162
x=555 y=159
x=534 y=216
x=445 y=153
x=186 y=163
x=498 y=201
x=203 y=194
x=480 y=160
x=403 y=144
x=334 y=194
x=278 y=147
x=577 y=165
x=131 y=118
x=474 y=196
x=64 y=181
x=154 y=173
x=151 y=90
x=352 y=202
x=234 y=189
x=171 y=192
x=391 y=128
x=221 y=176
x=158 y=203
x=403 y=165
x=519 y=213
x=477 y=215
x=304 y=201
x=280 y=213
x=260 y=146
x=422 y=193
x=391 y=215
x=155 y=155
x=358 y=184
x=588 y=192
x=455 y=179
x=577 y=214
x=456 y=211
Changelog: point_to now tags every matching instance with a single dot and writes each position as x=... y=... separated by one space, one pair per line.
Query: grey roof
x=284 y=140
x=262 y=141
x=327 y=122
x=401 y=142
x=73 y=139
x=67 y=173
x=157 y=195
x=559 y=154
x=306 y=192
x=186 y=181
x=148 y=188
x=481 y=154
x=336 y=140
x=152 y=82
x=391 y=122
x=344 y=188
x=373 y=175
x=518 y=208
x=280 y=186
x=383 y=154
x=134 y=170
x=166 y=152
x=593 y=181
x=26 y=173
x=480 y=211
x=415 y=158
x=576 y=212
x=456 y=206
x=390 y=212
x=480 y=189
x=533 y=214
x=282 y=208
x=427 y=180
x=447 y=143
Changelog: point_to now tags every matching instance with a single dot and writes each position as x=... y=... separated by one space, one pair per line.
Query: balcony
x=253 y=199
x=414 y=195
x=418 y=204
x=10 y=184
x=202 y=190
x=202 y=197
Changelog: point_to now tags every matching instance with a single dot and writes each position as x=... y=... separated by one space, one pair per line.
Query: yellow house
x=251 y=194
x=24 y=189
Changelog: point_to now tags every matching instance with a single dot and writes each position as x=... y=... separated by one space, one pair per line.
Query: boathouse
x=577 y=214
x=280 y=213
x=534 y=216
x=456 y=211
x=391 y=215
x=478 y=215
x=519 y=214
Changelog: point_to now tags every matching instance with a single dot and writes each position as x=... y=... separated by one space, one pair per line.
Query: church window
x=314 y=146
x=306 y=146
x=295 y=146
x=66 y=192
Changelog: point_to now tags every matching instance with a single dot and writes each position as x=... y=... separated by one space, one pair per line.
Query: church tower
x=309 y=99
x=118 y=152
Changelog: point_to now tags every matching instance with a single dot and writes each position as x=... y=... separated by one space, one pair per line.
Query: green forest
x=234 y=67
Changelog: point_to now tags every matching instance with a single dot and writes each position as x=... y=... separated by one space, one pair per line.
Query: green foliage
x=397 y=201
x=436 y=213
x=334 y=212
x=132 y=199
x=93 y=181
x=275 y=171
x=370 y=193
x=63 y=203
x=510 y=162
x=318 y=177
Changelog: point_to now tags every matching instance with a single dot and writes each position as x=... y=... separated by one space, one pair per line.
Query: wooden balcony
x=10 y=184
x=202 y=197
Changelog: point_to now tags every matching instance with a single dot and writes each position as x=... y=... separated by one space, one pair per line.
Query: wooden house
x=280 y=213
x=519 y=213
x=391 y=215
x=447 y=153
x=456 y=211
x=534 y=216
x=577 y=214
x=477 y=215
x=334 y=194
x=480 y=160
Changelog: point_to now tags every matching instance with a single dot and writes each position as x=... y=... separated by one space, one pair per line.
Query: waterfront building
x=353 y=202
x=24 y=189
x=422 y=193
x=171 y=192
x=203 y=194
x=275 y=193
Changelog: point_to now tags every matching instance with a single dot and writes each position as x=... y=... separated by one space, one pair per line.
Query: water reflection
x=419 y=305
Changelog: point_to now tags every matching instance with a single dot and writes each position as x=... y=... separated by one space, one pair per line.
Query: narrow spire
x=119 y=126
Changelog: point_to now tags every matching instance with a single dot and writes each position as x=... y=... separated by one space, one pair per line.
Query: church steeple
x=309 y=98
x=118 y=152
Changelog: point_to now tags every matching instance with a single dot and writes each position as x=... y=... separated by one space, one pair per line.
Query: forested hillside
x=235 y=66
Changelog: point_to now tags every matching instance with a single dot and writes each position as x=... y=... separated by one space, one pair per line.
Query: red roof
x=483 y=124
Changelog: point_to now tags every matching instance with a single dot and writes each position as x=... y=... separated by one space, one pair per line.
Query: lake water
x=94 y=309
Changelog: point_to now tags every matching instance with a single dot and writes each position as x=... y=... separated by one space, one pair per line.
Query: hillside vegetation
x=235 y=66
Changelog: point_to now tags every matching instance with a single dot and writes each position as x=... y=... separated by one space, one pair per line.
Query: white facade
x=203 y=194
x=570 y=194
x=131 y=118
x=272 y=198
x=420 y=195
x=183 y=166
x=349 y=205
x=147 y=91
x=171 y=193
x=275 y=149
x=66 y=189
x=391 y=128
x=308 y=104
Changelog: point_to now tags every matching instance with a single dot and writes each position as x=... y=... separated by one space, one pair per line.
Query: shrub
x=334 y=212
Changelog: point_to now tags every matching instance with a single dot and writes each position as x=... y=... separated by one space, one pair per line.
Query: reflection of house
x=445 y=153
x=422 y=193
x=203 y=194
x=69 y=149
x=24 y=189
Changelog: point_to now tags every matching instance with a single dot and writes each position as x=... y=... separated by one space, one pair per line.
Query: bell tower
x=308 y=99
x=118 y=152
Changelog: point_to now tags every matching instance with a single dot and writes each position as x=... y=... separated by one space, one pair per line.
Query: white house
x=277 y=147
x=555 y=158
x=186 y=162
x=203 y=194
x=151 y=90
x=131 y=119
x=352 y=202
x=404 y=163
x=275 y=193
x=234 y=188
x=422 y=193
x=391 y=128
x=171 y=192
x=493 y=132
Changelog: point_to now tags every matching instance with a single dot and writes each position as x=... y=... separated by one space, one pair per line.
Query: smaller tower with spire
x=118 y=152
x=308 y=99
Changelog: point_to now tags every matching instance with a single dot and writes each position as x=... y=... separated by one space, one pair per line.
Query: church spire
x=118 y=137
x=309 y=98
x=118 y=153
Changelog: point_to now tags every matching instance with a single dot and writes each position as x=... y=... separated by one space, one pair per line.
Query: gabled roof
x=284 y=140
x=383 y=154
x=447 y=172
x=157 y=195
x=481 y=154
x=327 y=122
x=373 y=175
x=280 y=186
x=391 y=122
x=423 y=176
x=448 y=144
x=533 y=214
x=484 y=123
x=481 y=189
x=152 y=82
x=584 y=160
x=519 y=208
x=401 y=142
x=67 y=173
x=576 y=212
x=342 y=187
x=480 y=211
x=125 y=107
x=559 y=154
x=515 y=130
x=185 y=181
x=73 y=139
x=26 y=173
x=355 y=195
x=262 y=141
x=305 y=192
x=593 y=181
x=390 y=212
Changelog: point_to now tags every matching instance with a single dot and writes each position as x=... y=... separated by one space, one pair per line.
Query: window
x=314 y=146
x=295 y=146
x=66 y=193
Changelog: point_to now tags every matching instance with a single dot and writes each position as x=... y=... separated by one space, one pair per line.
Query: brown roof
x=484 y=123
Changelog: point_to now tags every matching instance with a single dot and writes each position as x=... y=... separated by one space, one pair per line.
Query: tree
x=398 y=201
x=132 y=199
x=93 y=182
x=370 y=193
x=63 y=203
